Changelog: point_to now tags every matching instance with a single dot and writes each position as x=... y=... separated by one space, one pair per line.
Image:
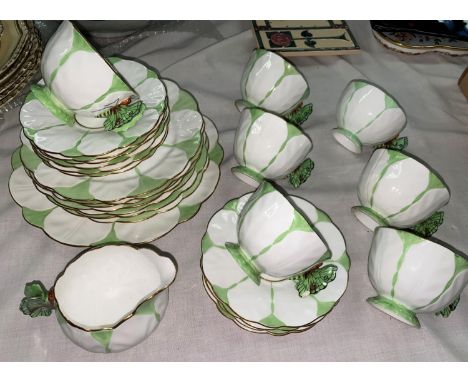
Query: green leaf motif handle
x=315 y=280
x=299 y=115
x=449 y=309
x=398 y=144
x=37 y=301
x=301 y=173
x=119 y=118
x=429 y=227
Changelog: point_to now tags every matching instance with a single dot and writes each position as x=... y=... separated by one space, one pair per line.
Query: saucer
x=70 y=229
x=170 y=161
x=251 y=326
x=57 y=139
x=270 y=305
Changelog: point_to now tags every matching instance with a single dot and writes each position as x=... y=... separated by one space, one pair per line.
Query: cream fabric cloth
x=210 y=65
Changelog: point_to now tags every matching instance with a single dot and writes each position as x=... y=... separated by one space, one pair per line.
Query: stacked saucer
x=88 y=185
x=20 y=55
x=272 y=307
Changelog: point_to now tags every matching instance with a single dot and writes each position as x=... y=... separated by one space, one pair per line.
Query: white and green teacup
x=107 y=299
x=367 y=115
x=81 y=85
x=272 y=83
x=275 y=241
x=398 y=190
x=268 y=147
x=414 y=275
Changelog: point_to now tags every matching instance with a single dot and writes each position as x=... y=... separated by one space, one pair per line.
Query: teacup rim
x=382 y=89
x=420 y=161
x=133 y=311
x=433 y=240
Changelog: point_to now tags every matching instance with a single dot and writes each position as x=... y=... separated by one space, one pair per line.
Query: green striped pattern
x=280 y=96
x=389 y=165
x=393 y=258
x=271 y=306
x=39 y=127
x=361 y=111
x=91 y=233
x=145 y=320
x=67 y=57
x=257 y=123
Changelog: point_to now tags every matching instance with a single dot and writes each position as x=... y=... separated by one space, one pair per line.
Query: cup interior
x=104 y=286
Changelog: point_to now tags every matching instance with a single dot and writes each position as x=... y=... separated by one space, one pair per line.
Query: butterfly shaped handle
x=398 y=144
x=449 y=308
x=315 y=280
x=429 y=227
x=301 y=173
x=37 y=300
x=299 y=115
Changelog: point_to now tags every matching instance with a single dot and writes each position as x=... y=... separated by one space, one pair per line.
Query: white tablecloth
x=208 y=60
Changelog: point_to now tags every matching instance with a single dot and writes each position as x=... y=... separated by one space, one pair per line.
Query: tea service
x=133 y=157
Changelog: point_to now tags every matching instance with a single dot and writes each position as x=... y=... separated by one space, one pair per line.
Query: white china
x=398 y=190
x=270 y=307
x=367 y=116
x=272 y=83
x=275 y=241
x=79 y=79
x=108 y=299
x=60 y=224
x=414 y=275
x=267 y=147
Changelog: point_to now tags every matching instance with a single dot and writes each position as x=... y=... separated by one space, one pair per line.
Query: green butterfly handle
x=301 y=173
x=315 y=279
x=37 y=300
x=397 y=144
x=449 y=308
x=244 y=261
x=429 y=227
x=300 y=114
x=47 y=98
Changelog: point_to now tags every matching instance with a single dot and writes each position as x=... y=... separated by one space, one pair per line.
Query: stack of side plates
x=20 y=56
x=272 y=307
x=92 y=186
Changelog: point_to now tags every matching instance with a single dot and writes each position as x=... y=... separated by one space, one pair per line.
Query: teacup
x=272 y=83
x=79 y=83
x=107 y=299
x=414 y=275
x=275 y=241
x=398 y=190
x=267 y=147
x=367 y=115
